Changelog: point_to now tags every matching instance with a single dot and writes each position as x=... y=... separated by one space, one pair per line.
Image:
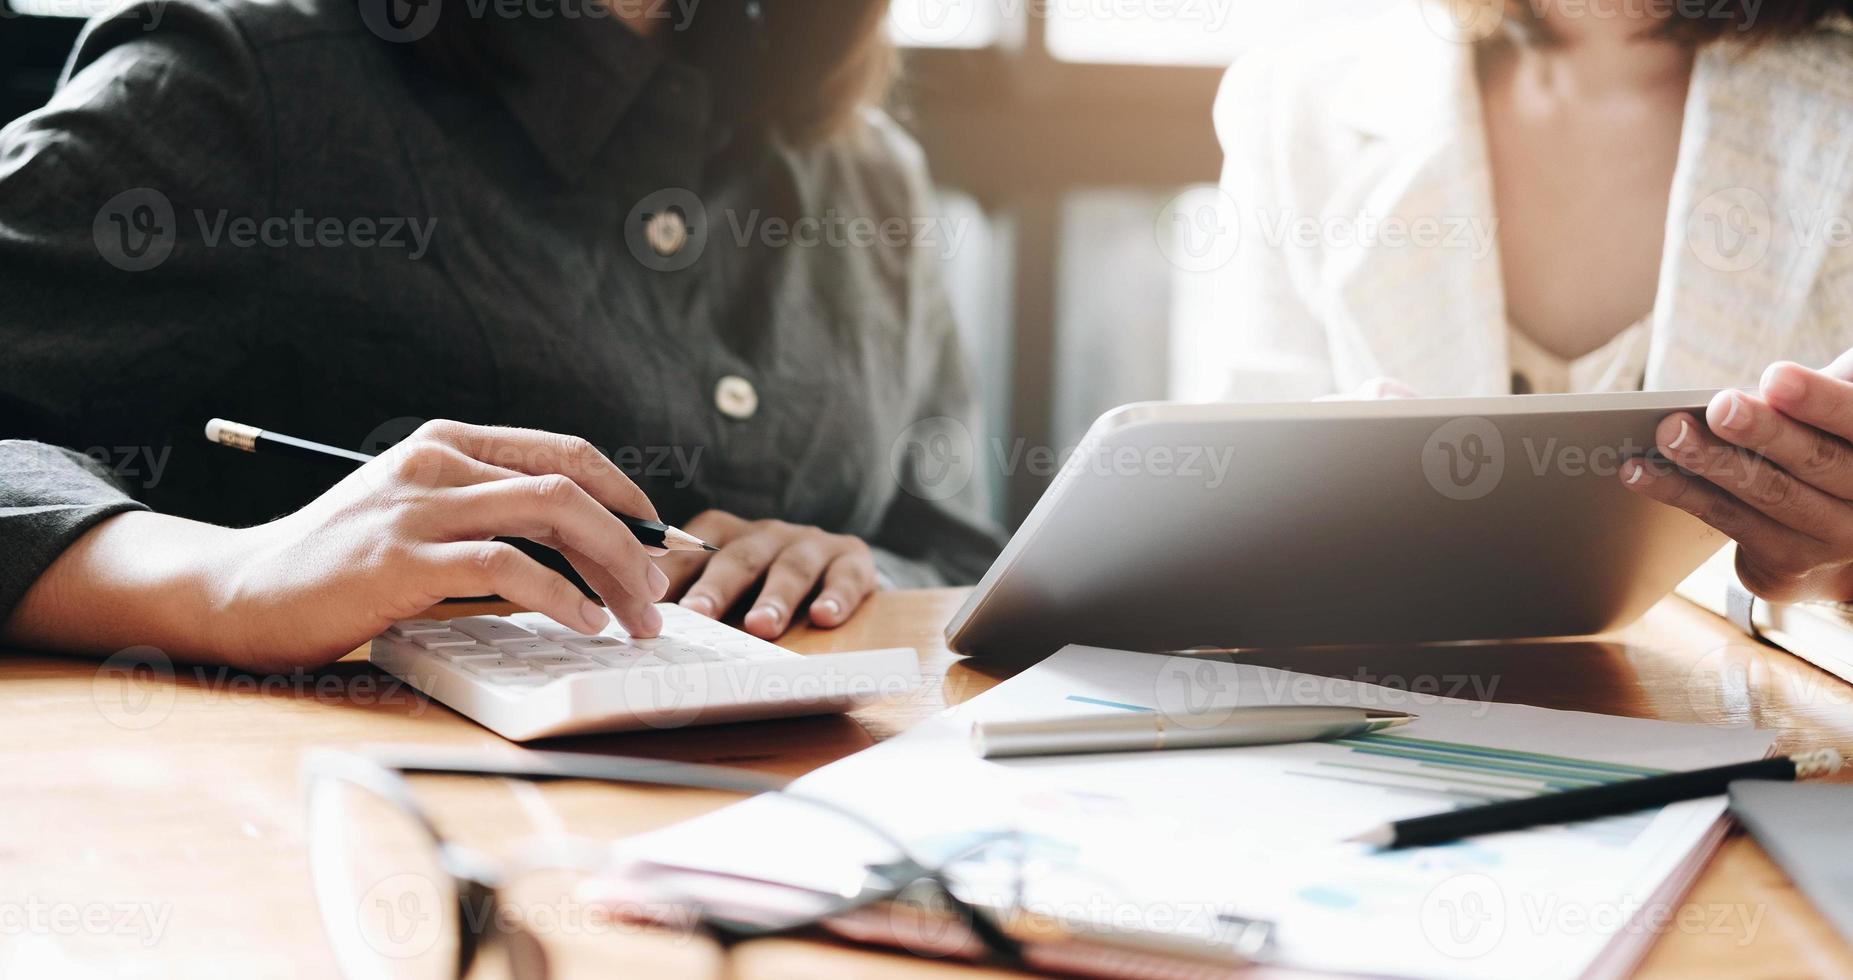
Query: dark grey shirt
x=265 y=212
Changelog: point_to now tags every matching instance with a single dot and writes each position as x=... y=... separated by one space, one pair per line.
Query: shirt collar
x=570 y=82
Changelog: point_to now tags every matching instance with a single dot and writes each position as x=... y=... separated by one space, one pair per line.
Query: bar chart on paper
x=1457 y=773
x=1471 y=775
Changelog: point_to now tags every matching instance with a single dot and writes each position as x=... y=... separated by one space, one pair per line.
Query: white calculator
x=526 y=677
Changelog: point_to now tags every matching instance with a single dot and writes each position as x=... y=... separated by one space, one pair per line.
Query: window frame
x=1019 y=130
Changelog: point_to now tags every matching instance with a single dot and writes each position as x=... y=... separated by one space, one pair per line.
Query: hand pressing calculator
x=526 y=677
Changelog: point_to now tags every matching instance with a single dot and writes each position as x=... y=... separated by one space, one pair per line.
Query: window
x=1076 y=135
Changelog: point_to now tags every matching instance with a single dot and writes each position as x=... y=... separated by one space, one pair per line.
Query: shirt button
x=667 y=232
x=735 y=397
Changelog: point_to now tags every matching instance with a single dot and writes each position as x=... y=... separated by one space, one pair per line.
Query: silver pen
x=1145 y=731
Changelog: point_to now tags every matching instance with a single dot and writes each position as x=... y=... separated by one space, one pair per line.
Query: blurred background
x=1073 y=143
x=1075 y=139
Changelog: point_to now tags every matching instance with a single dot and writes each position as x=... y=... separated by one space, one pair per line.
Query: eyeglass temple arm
x=556 y=766
x=580 y=766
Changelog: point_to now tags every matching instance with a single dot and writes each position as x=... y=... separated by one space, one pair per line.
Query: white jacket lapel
x=1428 y=310
x=1757 y=232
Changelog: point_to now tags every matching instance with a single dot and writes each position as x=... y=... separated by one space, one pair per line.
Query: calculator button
x=687 y=655
x=530 y=648
x=411 y=627
x=494 y=632
x=556 y=660
x=476 y=650
x=559 y=634
x=438 y=641
x=490 y=666
x=589 y=644
x=561 y=670
x=619 y=658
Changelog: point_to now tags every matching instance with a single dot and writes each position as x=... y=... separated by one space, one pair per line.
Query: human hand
x=1773 y=469
x=416 y=526
x=793 y=561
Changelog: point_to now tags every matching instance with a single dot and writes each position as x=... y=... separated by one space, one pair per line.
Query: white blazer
x=1357 y=173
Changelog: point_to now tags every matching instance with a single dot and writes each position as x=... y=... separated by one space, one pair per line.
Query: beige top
x=1619 y=365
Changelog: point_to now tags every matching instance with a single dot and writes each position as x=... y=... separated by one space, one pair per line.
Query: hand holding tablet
x=1771 y=467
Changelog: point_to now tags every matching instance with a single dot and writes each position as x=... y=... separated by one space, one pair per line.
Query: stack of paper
x=1170 y=841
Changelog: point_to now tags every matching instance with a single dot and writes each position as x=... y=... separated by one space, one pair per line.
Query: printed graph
x=1470 y=775
x=1460 y=774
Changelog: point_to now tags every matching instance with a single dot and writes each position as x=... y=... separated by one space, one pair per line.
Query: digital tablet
x=1175 y=526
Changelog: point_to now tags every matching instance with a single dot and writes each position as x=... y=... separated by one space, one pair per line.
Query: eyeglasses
x=400 y=901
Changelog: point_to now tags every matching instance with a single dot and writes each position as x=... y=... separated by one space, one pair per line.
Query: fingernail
x=770 y=613
x=1782 y=385
x=1736 y=412
x=652 y=623
x=596 y=617
x=1685 y=429
x=828 y=608
x=698 y=603
x=1640 y=470
x=659 y=583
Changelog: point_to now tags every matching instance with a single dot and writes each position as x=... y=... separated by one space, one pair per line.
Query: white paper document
x=1171 y=841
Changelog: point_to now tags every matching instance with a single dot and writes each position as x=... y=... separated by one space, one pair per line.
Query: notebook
x=1803 y=826
x=1818 y=632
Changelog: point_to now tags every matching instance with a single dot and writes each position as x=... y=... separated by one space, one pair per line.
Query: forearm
x=136 y=579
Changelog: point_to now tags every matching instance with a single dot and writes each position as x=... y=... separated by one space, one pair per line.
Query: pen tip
x=708 y=547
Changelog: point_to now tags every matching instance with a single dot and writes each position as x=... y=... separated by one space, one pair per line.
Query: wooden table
x=154 y=826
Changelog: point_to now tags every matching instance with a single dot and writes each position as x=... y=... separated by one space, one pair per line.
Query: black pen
x=251 y=439
x=1593 y=801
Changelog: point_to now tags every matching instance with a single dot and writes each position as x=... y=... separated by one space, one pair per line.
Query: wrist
x=136 y=579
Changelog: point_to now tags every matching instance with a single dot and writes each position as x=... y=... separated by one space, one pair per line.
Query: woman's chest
x=1580 y=195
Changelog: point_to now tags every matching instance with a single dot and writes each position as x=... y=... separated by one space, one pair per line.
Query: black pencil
x=251 y=439
x=1594 y=801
